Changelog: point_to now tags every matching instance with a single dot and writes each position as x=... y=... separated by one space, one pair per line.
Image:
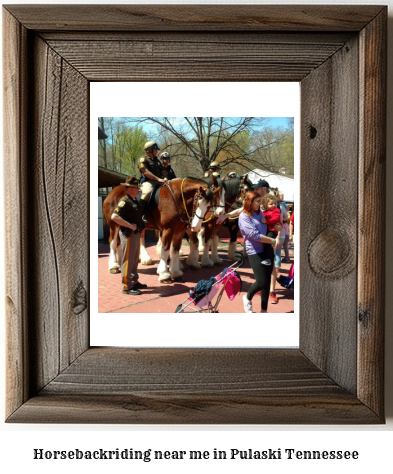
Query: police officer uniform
x=129 y=209
x=167 y=171
x=152 y=164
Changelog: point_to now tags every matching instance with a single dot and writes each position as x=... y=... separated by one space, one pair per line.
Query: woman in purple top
x=253 y=227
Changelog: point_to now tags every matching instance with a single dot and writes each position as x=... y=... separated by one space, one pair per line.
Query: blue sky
x=279 y=121
x=273 y=122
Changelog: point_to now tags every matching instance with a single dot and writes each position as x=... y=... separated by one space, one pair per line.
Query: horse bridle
x=178 y=205
x=195 y=207
x=214 y=206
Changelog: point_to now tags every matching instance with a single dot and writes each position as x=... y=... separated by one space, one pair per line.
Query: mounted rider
x=232 y=175
x=151 y=169
x=167 y=172
x=213 y=170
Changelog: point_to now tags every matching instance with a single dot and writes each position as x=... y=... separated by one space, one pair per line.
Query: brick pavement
x=164 y=298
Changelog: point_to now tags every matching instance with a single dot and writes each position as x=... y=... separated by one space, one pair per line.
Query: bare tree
x=228 y=140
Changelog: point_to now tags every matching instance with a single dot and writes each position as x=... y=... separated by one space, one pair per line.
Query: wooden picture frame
x=338 y=54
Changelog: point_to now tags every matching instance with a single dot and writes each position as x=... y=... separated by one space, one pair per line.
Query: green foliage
x=124 y=146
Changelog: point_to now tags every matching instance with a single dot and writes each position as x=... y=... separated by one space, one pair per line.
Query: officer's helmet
x=165 y=156
x=152 y=145
x=232 y=175
x=214 y=165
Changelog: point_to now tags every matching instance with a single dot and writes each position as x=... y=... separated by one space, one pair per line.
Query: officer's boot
x=143 y=208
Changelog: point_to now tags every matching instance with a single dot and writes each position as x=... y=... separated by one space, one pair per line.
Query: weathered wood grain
x=336 y=375
x=15 y=211
x=193 y=17
x=193 y=386
x=202 y=37
x=187 y=59
x=59 y=191
x=329 y=215
x=371 y=227
x=239 y=409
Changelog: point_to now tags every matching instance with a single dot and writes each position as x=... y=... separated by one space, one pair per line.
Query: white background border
x=174 y=99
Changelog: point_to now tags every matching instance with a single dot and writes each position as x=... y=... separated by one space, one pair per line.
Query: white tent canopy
x=283 y=183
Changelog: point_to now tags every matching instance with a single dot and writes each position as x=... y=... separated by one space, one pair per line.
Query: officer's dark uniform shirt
x=168 y=173
x=130 y=210
x=154 y=165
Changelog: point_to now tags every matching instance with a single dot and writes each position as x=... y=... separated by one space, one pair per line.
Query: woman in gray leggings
x=259 y=247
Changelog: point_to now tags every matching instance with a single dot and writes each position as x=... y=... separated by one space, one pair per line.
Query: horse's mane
x=207 y=181
x=200 y=180
x=232 y=187
x=248 y=183
x=209 y=193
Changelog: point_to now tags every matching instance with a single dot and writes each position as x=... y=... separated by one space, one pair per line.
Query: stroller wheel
x=179 y=309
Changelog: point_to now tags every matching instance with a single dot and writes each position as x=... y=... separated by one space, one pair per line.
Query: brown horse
x=176 y=207
x=235 y=190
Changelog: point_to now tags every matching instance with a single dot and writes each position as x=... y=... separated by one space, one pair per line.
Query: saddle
x=151 y=204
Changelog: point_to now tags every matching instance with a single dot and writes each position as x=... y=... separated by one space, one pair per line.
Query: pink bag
x=233 y=285
x=291 y=272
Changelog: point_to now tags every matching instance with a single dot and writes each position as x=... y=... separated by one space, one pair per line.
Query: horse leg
x=159 y=244
x=174 y=267
x=193 y=256
x=162 y=270
x=144 y=257
x=205 y=260
x=231 y=251
x=201 y=240
x=114 y=261
x=233 y=230
x=214 y=253
x=181 y=266
x=159 y=247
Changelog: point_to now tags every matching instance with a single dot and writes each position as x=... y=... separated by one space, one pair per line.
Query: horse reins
x=175 y=201
x=178 y=206
x=194 y=213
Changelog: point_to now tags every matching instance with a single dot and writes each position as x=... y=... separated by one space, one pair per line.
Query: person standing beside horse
x=152 y=170
x=253 y=227
x=167 y=172
x=129 y=217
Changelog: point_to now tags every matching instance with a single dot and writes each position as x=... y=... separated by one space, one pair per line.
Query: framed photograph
x=51 y=56
x=266 y=141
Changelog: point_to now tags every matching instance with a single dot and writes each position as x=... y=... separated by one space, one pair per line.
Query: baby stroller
x=200 y=298
x=287 y=282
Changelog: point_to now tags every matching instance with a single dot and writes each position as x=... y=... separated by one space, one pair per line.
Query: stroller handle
x=239 y=258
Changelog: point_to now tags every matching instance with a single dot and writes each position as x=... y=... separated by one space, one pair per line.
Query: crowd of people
x=265 y=223
x=267 y=227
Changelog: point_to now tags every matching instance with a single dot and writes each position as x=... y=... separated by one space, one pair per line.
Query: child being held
x=273 y=220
